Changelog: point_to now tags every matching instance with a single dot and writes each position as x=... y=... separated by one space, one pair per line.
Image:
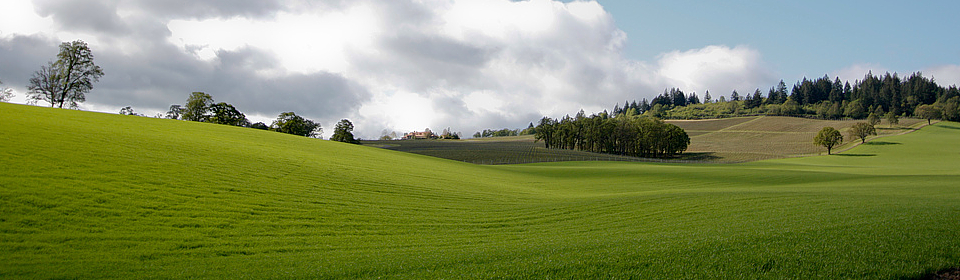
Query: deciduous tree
x=928 y=112
x=828 y=137
x=198 y=107
x=223 y=113
x=67 y=80
x=290 y=122
x=343 y=132
x=862 y=130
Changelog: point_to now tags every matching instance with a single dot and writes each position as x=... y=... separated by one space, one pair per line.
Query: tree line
x=639 y=136
x=200 y=107
x=824 y=98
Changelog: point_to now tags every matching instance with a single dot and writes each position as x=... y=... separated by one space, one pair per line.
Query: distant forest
x=823 y=98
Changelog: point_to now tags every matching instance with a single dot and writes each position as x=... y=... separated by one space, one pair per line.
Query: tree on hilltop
x=223 y=113
x=343 y=132
x=828 y=137
x=862 y=130
x=67 y=80
x=198 y=107
x=291 y=123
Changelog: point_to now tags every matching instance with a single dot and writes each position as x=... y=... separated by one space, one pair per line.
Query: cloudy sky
x=406 y=65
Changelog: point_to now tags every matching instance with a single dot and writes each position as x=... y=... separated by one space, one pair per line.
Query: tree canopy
x=343 y=132
x=862 y=130
x=824 y=97
x=290 y=122
x=928 y=112
x=624 y=135
x=223 y=113
x=828 y=137
x=198 y=107
x=67 y=80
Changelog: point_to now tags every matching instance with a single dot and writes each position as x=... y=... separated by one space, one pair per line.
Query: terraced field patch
x=758 y=138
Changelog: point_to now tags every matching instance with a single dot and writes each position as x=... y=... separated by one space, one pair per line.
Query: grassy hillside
x=89 y=195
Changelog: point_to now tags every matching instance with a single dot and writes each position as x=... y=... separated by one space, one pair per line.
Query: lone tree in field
x=198 y=107
x=67 y=80
x=928 y=112
x=828 y=137
x=343 y=132
x=862 y=130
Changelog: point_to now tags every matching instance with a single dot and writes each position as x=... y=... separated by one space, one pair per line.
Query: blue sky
x=799 y=38
x=405 y=65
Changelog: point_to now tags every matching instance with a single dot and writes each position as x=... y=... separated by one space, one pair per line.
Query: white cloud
x=19 y=17
x=856 y=72
x=396 y=65
x=945 y=75
x=304 y=43
x=717 y=68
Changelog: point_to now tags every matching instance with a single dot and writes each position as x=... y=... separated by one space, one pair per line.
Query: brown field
x=768 y=137
x=738 y=139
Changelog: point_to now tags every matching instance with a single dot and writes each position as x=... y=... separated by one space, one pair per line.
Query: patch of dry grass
x=767 y=137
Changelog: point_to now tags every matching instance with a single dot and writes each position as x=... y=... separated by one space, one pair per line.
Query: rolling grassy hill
x=90 y=195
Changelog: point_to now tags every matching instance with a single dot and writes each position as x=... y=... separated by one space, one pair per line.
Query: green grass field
x=89 y=195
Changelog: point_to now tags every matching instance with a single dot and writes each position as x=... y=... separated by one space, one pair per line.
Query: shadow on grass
x=881 y=143
x=950 y=127
x=855 y=155
x=705 y=156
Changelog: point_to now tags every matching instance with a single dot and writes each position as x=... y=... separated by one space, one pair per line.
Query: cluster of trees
x=496 y=133
x=530 y=130
x=447 y=133
x=200 y=107
x=622 y=135
x=66 y=81
x=830 y=137
x=823 y=98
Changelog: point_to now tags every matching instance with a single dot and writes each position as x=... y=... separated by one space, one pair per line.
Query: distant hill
x=727 y=140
